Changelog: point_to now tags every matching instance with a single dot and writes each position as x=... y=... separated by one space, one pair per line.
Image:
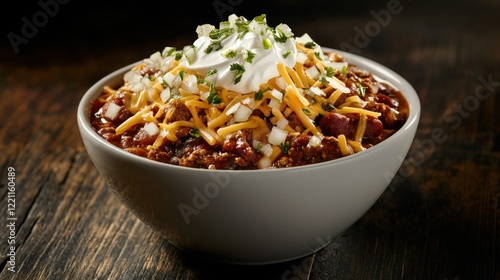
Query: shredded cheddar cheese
x=290 y=103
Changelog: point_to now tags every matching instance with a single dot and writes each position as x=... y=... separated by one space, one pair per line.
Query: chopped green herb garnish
x=318 y=55
x=327 y=106
x=306 y=111
x=211 y=72
x=194 y=132
x=310 y=45
x=285 y=146
x=260 y=94
x=214 y=45
x=168 y=51
x=178 y=55
x=213 y=98
x=266 y=43
x=248 y=56
x=344 y=71
x=181 y=74
x=241 y=26
x=229 y=54
x=285 y=55
x=361 y=89
x=322 y=80
x=259 y=146
x=219 y=34
x=329 y=71
x=260 y=19
x=239 y=69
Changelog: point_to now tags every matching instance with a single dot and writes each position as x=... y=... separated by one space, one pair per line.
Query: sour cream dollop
x=241 y=54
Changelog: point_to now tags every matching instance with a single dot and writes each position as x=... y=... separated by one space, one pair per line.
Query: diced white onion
x=165 y=95
x=190 y=84
x=312 y=72
x=167 y=50
x=132 y=77
x=285 y=29
x=204 y=30
x=338 y=85
x=212 y=79
x=315 y=141
x=274 y=104
x=281 y=82
x=137 y=87
x=204 y=95
x=266 y=150
x=146 y=82
x=169 y=78
x=233 y=109
x=282 y=123
x=190 y=54
x=151 y=129
x=277 y=136
x=112 y=111
x=301 y=57
x=317 y=91
x=264 y=163
x=304 y=39
x=242 y=113
x=277 y=94
x=248 y=101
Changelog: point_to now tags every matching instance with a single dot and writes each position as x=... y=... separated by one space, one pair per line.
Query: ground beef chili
x=237 y=151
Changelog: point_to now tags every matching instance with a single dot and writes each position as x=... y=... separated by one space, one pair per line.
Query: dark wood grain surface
x=438 y=219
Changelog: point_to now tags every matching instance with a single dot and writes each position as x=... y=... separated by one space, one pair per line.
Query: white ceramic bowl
x=251 y=217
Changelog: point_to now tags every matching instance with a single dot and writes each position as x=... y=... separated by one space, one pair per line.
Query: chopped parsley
x=214 y=45
x=260 y=94
x=168 y=51
x=361 y=89
x=328 y=106
x=266 y=43
x=310 y=45
x=239 y=69
x=213 y=98
x=211 y=72
x=219 y=34
x=194 y=132
x=329 y=71
x=344 y=71
x=285 y=146
x=229 y=54
x=260 y=19
x=322 y=79
x=259 y=146
x=248 y=56
x=318 y=55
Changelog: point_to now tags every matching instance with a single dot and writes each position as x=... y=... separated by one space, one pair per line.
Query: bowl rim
x=375 y=68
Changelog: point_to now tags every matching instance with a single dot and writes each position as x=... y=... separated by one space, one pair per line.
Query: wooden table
x=439 y=218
